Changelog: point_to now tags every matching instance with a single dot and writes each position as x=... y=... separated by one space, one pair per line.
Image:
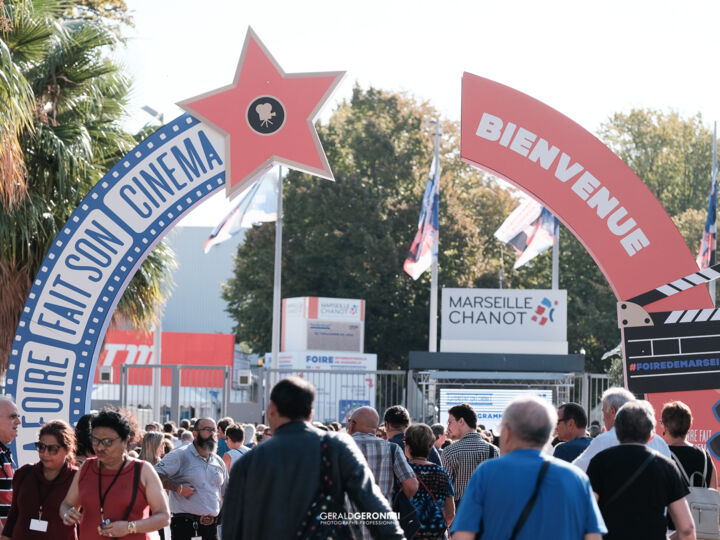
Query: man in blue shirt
x=571 y=425
x=499 y=489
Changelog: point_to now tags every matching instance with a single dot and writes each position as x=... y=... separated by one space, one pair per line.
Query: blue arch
x=87 y=269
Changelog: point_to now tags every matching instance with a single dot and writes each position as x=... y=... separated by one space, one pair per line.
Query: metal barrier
x=590 y=396
x=173 y=392
x=337 y=393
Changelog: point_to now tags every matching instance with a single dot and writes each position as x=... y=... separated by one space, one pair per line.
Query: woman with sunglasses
x=112 y=494
x=39 y=489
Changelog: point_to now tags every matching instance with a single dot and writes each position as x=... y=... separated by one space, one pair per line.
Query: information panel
x=488 y=404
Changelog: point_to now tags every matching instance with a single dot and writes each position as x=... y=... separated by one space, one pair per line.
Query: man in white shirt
x=612 y=400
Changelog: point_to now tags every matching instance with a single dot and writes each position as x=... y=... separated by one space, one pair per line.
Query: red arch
x=592 y=191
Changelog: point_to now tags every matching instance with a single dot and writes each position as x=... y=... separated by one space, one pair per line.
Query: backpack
x=704 y=504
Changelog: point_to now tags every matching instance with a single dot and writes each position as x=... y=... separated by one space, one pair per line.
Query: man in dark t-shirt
x=571 y=425
x=638 y=510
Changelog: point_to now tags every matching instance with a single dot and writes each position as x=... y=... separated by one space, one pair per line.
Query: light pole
x=155 y=114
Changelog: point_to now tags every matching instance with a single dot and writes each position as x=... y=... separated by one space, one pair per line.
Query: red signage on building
x=133 y=348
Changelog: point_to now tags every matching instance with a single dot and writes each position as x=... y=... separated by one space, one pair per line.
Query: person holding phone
x=112 y=494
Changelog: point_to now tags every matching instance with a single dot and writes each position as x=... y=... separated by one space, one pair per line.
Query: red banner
x=584 y=184
x=132 y=348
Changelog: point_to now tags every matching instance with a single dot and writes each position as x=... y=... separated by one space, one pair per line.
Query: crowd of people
x=543 y=474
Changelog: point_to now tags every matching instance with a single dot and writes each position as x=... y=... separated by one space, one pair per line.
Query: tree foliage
x=349 y=239
x=64 y=143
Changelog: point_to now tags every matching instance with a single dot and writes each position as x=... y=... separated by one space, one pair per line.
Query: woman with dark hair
x=434 y=498
x=82 y=440
x=235 y=435
x=39 y=489
x=112 y=495
x=676 y=421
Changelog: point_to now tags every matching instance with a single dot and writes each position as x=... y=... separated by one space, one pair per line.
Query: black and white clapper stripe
x=705 y=275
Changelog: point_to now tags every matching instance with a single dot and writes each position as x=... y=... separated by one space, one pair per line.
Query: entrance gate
x=337 y=393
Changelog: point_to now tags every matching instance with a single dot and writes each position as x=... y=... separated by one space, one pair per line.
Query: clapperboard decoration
x=672 y=350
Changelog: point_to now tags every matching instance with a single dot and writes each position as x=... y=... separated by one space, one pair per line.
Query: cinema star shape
x=267 y=116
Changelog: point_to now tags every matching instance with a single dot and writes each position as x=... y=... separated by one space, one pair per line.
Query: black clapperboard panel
x=674 y=350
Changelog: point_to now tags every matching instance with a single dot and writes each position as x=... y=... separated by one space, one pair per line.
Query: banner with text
x=504 y=321
x=340 y=385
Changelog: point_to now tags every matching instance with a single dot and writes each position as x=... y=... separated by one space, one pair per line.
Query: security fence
x=164 y=392
x=154 y=392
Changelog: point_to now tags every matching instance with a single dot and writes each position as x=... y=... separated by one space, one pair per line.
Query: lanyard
x=43 y=496
x=102 y=495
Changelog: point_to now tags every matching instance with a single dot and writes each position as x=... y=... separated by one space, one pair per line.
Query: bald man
x=385 y=459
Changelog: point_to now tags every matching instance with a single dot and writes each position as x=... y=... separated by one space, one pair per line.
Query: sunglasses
x=52 y=449
x=107 y=442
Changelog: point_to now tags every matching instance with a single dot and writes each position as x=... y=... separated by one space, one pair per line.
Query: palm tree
x=72 y=137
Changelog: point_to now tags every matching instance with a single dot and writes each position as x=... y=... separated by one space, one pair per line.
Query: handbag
x=704 y=503
x=407 y=514
x=424 y=485
x=311 y=527
x=401 y=505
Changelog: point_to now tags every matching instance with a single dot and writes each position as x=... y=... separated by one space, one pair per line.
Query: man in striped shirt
x=9 y=422
x=469 y=450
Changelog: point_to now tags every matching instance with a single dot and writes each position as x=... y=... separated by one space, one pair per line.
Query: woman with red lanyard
x=112 y=494
x=39 y=489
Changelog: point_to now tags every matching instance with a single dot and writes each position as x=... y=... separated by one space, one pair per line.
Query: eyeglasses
x=207 y=429
x=52 y=449
x=107 y=442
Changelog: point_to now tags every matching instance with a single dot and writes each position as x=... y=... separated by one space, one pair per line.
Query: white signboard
x=336 y=394
x=488 y=404
x=328 y=324
x=504 y=321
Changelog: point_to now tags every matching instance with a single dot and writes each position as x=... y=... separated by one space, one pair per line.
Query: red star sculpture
x=268 y=116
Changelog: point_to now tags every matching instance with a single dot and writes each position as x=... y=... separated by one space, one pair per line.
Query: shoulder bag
x=528 y=506
x=401 y=505
x=704 y=503
x=630 y=480
x=311 y=527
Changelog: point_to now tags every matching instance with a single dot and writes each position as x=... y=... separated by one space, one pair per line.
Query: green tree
x=71 y=137
x=350 y=238
x=671 y=154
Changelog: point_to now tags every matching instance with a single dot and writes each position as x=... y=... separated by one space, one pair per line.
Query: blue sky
x=585 y=59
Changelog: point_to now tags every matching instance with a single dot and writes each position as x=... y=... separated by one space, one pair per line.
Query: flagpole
x=432 y=340
x=556 y=257
x=713 y=246
x=277 y=295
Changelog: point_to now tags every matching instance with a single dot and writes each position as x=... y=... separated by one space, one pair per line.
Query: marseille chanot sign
x=268 y=114
x=504 y=321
